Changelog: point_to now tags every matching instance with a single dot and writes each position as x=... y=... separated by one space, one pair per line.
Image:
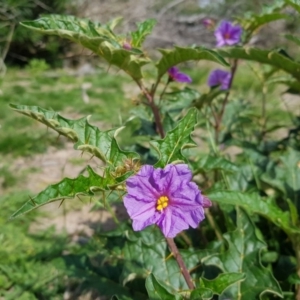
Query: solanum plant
x=168 y=189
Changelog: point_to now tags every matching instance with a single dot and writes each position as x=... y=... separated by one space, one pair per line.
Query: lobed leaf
x=172 y=57
x=143 y=29
x=222 y=282
x=66 y=189
x=86 y=137
x=253 y=203
x=170 y=148
x=276 y=58
x=94 y=36
x=253 y=22
x=243 y=257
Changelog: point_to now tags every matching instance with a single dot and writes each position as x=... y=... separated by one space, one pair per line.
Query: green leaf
x=172 y=57
x=201 y=294
x=294 y=86
x=253 y=22
x=86 y=137
x=243 y=257
x=94 y=36
x=157 y=291
x=293 y=38
x=170 y=148
x=66 y=189
x=206 y=99
x=276 y=58
x=222 y=282
x=174 y=102
x=253 y=203
x=210 y=163
x=143 y=29
x=295 y=4
x=284 y=175
x=147 y=252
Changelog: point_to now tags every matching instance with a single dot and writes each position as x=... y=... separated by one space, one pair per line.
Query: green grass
x=20 y=135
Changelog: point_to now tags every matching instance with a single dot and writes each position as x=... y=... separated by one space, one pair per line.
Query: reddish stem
x=174 y=250
x=154 y=108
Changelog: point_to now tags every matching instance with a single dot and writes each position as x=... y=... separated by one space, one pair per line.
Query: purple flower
x=165 y=197
x=175 y=75
x=219 y=77
x=228 y=34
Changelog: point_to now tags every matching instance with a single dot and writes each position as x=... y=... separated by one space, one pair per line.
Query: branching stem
x=155 y=110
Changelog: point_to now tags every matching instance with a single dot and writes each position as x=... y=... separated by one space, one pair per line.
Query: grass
x=21 y=136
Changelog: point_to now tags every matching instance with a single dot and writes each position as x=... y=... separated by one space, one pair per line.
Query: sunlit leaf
x=143 y=29
x=66 y=189
x=170 y=148
x=95 y=36
x=87 y=138
x=276 y=58
x=254 y=21
x=172 y=57
x=253 y=203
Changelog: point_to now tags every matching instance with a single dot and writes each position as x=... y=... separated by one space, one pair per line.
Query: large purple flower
x=176 y=75
x=165 y=197
x=228 y=34
x=219 y=77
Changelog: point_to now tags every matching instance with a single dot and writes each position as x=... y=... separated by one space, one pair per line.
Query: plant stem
x=174 y=251
x=220 y=115
x=296 y=244
x=154 y=108
x=263 y=112
x=164 y=90
x=159 y=128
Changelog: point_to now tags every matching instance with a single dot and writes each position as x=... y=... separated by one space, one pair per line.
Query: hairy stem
x=174 y=251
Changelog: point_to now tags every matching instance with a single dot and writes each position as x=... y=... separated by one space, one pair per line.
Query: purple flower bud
x=219 y=77
x=208 y=23
x=176 y=75
x=165 y=197
x=127 y=46
x=228 y=34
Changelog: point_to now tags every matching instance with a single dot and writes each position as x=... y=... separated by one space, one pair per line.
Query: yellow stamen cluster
x=162 y=203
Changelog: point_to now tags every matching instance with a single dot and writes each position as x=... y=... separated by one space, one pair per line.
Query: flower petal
x=172 y=223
